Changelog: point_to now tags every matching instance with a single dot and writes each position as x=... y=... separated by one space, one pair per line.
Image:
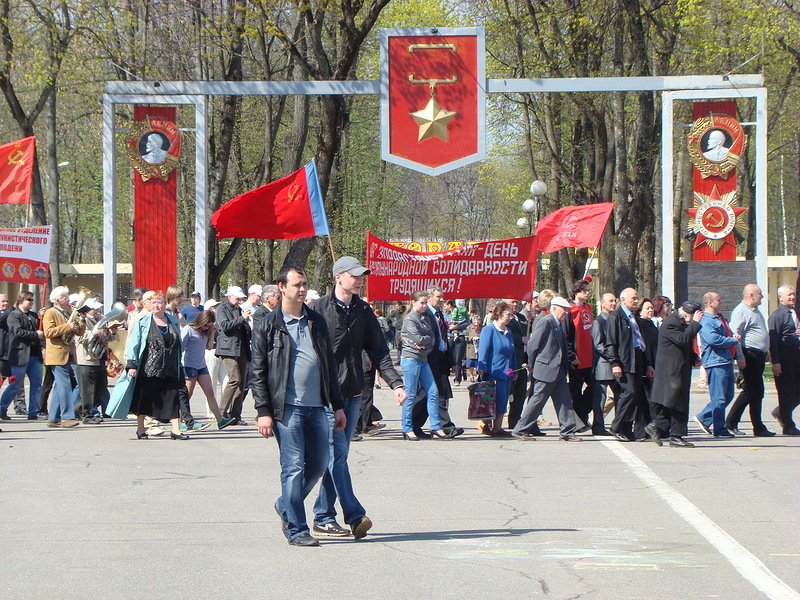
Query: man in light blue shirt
x=720 y=347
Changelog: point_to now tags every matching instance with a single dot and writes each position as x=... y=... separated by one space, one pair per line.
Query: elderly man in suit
x=784 y=347
x=549 y=356
x=625 y=350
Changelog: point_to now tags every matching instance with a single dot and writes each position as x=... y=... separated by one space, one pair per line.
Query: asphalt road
x=94 y=513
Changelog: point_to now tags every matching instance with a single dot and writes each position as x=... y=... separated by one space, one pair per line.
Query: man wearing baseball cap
x=549 y=356
x=233 y=347
x=353 y=327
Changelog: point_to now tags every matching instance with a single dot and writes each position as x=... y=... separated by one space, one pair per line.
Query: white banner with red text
x=25 y=254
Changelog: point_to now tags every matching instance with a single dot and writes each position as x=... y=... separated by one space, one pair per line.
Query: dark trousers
x=459 y=356
x=599 y=402
x=92 y=383
x=581 y=396
x=752 y=393
x=519 y=392
x=645 y=413
x=183 y=403
x=631 y=395
x=369 y=413
x=788 y=386
x=671 y=421
x=47 y=387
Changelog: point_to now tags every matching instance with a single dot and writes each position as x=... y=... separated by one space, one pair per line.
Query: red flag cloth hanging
x=573 y=227
x=285 y=209
x=16 y=170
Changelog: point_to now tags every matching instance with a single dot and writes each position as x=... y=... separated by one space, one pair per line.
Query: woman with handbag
x=154 y=362
x=496 y=359
x=418 y=339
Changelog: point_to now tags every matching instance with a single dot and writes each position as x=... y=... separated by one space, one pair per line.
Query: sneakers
x=195 y=426
x=360 y=527
x=304 y=540
x=223 y=423
x=703 y=426
x=92 y=420
x=332 y=529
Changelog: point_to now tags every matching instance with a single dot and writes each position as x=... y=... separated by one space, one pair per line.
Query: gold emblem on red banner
x=154 y=147
x=716 y=143
x=716 y=220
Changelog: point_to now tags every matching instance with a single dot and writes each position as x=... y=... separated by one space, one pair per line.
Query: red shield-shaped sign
x=433 y=100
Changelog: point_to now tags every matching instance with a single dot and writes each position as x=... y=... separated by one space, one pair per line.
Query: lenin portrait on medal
x=716 y=144
x=153 y=147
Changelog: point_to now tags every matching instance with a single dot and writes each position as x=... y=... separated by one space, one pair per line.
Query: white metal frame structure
x=668 y=258
x=196 y=93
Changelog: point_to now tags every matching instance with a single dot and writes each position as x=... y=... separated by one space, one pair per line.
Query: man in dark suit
x=625 y=348
x=603 y=376
x=440 y=362
x=548 y=356
x=784 y=348
x=518 y=326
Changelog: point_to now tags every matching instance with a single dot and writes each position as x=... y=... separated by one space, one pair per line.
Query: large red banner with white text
x=496 y=269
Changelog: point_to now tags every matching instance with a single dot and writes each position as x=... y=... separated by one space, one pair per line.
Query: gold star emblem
x=433 y=121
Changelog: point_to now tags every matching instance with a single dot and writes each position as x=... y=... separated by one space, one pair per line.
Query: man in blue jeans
x=294 y=382
x=720 y=347
x=353 y=328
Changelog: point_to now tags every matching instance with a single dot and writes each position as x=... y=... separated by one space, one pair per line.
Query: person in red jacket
x=581 y=382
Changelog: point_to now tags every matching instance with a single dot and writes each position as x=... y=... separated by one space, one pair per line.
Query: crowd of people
x=311 y=363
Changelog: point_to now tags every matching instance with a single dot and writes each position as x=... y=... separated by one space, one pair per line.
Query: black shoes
x=332 y=529
x=764 y=433
x=440 y=435
x=653 y=432
x=735 y=431
x=142 y=436
x=724 y=434
x=178 y=436
x=4 y=417
x=304 y=540
x=794 y=431
x=601 y=432
x=621 y=436
x=679 y=442
x=455 y=432
x=571 y=437
x=422 y=435
x=410 y=437
x=360 y=526
x=284 y=522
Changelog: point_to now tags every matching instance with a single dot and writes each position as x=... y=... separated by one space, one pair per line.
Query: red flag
x=573 y=227
x=16 y=170
x=285 y=209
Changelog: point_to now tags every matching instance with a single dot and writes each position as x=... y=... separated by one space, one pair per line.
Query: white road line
x=752 y=569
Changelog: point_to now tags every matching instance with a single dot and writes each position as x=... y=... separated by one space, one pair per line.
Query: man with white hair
x=233 y=346
x=60 y=349
x=625 y=351
x=270 y=298
x=548 y=357
x=784 y=347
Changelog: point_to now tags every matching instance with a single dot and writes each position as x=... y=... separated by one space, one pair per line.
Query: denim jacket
x=717 y=345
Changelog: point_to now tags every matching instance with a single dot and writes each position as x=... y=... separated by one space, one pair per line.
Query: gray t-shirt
x=750 y=324
x=194 y=347
x=304 y=387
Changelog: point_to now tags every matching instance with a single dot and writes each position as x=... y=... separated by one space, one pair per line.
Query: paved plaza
x=94 y=513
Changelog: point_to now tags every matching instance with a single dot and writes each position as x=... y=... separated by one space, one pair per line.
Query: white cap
x=235 y=290
x=210 y=303
x=255 y=289
x=559 y=301
x=535 y=294
x=312 y=295
x=73 y=298
x=94 y=304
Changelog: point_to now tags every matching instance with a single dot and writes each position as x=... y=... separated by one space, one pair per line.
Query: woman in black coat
x=676 y=357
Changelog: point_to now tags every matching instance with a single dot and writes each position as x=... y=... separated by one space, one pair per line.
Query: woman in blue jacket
x=496 y=362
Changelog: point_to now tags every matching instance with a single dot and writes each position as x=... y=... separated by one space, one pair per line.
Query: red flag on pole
x=285 y=209
x=16 y=170
x=573 y=227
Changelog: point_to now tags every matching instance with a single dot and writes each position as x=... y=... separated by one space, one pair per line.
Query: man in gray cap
x=353 y=328
x=549 y=356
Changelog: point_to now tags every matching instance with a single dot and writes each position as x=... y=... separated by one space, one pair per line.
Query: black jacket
x=24 y=341
x=783 y=340
x=233 y=332
x=351 y=333
x=272 y=350
x=619 y=342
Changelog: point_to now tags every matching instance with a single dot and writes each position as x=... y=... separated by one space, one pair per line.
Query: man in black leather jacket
x=294 y=381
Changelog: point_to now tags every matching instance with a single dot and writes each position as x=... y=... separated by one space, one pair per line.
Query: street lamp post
x=532 y=206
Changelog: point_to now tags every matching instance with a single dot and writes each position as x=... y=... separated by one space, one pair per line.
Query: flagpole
x=330 y=244
x=589 y=262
